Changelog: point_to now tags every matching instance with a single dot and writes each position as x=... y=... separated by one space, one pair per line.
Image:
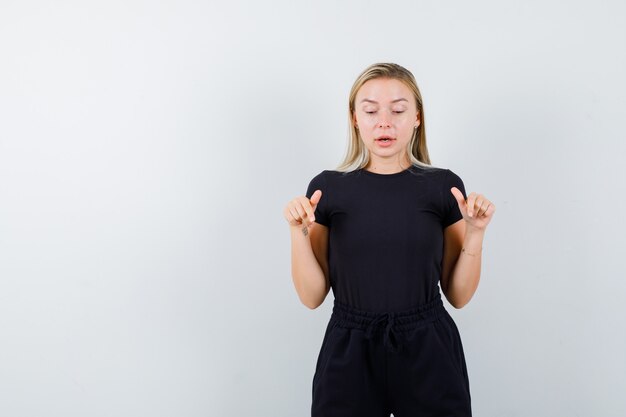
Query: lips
x=385 y=137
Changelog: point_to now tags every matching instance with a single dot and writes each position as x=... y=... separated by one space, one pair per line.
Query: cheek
x=367 y=120
x=408 y=125
x=405 y=121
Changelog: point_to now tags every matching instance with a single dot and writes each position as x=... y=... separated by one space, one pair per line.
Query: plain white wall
x=147 y=150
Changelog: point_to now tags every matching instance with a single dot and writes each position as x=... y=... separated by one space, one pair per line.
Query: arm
x=463 y=241
x=309 y=243
x=461 y=269
x=309 y=263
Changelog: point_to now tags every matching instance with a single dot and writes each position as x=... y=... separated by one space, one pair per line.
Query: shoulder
x=321 y=177
x=452 y=178
x=433 y=174
x=443 y=174
x=330 y=175
x=440 y=179
x=452 y=174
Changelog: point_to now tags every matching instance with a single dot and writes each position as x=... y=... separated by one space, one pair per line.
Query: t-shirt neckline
x=393 y=175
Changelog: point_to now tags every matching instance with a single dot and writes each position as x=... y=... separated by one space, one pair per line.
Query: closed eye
x=372 y=112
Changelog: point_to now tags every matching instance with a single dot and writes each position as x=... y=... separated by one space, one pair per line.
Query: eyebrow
x=393 y=101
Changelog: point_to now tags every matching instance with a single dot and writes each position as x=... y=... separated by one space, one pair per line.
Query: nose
x=383 y=122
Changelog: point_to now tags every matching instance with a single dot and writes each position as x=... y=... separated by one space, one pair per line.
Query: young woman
x=384 y=230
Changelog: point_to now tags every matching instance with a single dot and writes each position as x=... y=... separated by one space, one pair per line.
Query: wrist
x=473 y=242
x=299 y=230
x=472 y=252
x=474 y=232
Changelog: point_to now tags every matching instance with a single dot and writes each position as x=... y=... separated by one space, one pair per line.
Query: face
x=385 y=108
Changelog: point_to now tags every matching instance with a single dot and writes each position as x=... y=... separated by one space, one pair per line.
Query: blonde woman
x=386 y=230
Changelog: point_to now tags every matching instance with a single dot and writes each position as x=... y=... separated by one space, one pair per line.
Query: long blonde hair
x=357 y=155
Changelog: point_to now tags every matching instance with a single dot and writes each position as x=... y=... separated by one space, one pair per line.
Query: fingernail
x=312 y=219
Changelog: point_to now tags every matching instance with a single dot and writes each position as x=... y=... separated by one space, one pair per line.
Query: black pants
x=408 y=363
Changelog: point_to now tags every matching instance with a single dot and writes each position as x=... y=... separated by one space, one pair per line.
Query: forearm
x=306 y=272
x=466 y=272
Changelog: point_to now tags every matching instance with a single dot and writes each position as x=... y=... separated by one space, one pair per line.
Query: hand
x=477 y=210
x=301 y=210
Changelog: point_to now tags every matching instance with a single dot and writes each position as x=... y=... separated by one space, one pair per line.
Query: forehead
x=384 y=90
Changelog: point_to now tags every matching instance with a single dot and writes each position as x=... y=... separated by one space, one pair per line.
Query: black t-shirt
x=386 y=233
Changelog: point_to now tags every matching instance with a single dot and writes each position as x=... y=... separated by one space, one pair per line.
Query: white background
x=148 y=149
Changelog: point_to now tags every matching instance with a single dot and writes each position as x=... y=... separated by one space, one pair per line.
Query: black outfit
x=390 y=345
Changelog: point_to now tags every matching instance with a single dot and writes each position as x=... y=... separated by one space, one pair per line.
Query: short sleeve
x=452 y=212
x=321 y=211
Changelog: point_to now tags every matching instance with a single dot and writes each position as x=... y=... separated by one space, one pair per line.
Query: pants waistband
x=394 y=322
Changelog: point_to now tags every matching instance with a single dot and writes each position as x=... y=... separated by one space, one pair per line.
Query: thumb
x=315 y=197
x=459 y=197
